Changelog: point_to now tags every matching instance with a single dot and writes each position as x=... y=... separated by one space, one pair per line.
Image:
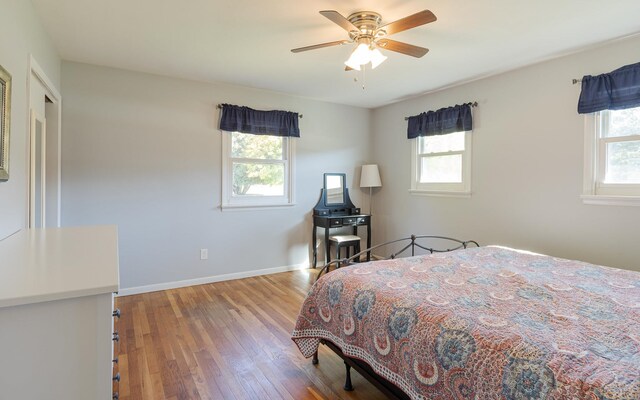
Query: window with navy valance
x=247 y=120
x=440 y=122
x=616 y=90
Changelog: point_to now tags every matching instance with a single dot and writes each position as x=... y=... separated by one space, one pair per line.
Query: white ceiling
x=248 y=42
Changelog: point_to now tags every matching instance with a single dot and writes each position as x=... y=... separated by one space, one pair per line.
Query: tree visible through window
x=257 y=169
x=258 y=164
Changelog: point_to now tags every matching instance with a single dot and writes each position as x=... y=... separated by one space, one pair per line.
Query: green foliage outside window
x=255 y=169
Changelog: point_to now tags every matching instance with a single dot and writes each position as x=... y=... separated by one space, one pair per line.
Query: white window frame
x=231 y=202
x=461 y=189
x=595 y=190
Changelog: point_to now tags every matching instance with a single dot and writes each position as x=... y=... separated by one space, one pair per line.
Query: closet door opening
x=38 y=158
x=44 y=151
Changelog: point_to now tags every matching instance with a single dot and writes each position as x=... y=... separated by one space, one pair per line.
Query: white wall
x=144 y=152
x=527 y=166
x=20 y=35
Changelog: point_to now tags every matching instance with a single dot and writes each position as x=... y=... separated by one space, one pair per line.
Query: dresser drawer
x=349 y=221
x=336 y=222
x=362 y=220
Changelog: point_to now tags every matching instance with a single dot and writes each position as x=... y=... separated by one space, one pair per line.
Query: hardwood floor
x=227 y=340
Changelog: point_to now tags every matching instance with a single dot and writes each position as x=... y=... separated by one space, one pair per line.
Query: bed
x=480 y=323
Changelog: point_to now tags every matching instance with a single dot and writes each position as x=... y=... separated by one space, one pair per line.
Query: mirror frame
x=5 y=122
x=326 y=192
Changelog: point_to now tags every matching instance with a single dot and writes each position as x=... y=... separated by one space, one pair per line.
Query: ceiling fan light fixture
x=352 y=65
x=364 y=54
x=376 y=58
x=360 y=56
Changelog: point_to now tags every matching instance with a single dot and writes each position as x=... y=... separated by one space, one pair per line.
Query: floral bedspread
x=484 y=323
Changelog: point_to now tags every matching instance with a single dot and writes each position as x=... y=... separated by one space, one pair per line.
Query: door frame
x=56 y=98
x=43 y=169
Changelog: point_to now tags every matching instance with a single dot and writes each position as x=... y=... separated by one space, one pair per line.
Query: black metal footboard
x=403 y=246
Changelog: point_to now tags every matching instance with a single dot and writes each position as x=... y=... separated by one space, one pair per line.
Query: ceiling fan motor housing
x=367 y=23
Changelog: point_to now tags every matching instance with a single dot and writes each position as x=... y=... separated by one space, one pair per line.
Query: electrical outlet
x=204 y=254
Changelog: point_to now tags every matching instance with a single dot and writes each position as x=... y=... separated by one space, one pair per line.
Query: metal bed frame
x=386 y=387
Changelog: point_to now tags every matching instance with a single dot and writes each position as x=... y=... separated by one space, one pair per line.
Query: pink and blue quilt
x=484 y=323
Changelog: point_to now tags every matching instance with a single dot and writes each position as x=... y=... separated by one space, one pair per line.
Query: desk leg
x=314 y=243
x=369 y=241
x=327 y=246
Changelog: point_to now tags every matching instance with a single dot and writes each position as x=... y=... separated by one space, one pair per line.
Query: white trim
x=249 y=207
x=600 y=200
x=247 y=203
x=42 y=157
x=39 y=72
x=446 y=188
x=594 y=191
x=209 y=279
x=439 y=193
x=590 y=156
x=36 y=69
x=617 y=189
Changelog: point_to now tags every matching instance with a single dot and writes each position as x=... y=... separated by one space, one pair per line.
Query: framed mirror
x=334 y=185
x=5 y=122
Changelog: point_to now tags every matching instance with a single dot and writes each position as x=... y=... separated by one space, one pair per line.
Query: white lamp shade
x=377 y=58
x=359 y=57
x=352 y=64
x=370 y=176
x=364 y=54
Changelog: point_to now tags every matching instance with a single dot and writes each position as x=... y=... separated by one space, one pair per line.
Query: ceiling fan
x=366 y=30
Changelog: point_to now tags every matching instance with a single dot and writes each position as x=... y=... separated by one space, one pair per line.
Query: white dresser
x=56 y=306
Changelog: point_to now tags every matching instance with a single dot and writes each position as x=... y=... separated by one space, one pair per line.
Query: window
x=612 y=157
x=441 y=164
x=257 y=170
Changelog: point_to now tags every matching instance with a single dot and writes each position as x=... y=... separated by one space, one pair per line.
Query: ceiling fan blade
x=348 y=68
x=400 y=47
x=319 y=46
x=417 y=19
x=337 y=18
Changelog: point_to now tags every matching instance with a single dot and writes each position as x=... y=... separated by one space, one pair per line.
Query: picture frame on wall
x=5 y=122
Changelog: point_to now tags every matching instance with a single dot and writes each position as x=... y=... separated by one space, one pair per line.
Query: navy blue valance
x=616 y=90
x=445 y=120
x=248 y=120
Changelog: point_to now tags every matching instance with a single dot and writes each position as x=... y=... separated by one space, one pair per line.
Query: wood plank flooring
x=226 y=340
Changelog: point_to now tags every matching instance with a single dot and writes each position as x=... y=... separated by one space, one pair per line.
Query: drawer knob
x=116 y=313
x=116 y=336
x=115 y=396
x=117 y=377
x=115 y=360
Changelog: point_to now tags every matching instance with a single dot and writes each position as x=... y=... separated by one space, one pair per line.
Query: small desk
x=338 y=221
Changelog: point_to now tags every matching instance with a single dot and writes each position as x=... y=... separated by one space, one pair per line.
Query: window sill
x=254 y=207
x=439 y=193
x=600 y=200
